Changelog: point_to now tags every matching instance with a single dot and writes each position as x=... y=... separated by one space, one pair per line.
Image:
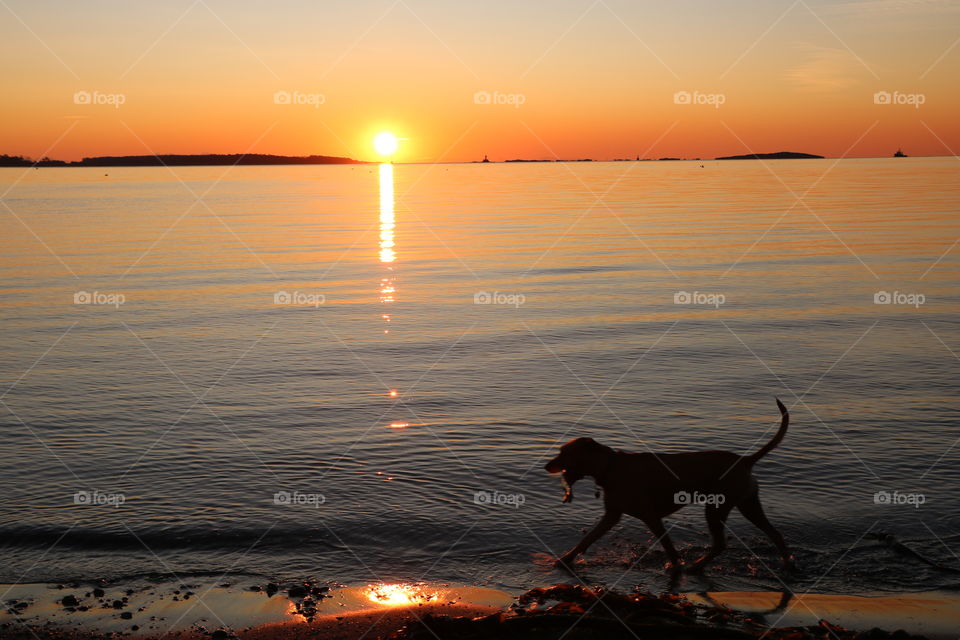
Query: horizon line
x=51 y=163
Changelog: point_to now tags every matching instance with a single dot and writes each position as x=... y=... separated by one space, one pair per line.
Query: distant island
x=177 y=160
x=779 y=155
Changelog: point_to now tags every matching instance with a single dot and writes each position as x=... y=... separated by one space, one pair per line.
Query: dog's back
x=663 y=476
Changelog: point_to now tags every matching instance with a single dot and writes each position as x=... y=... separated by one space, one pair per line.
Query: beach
x=319 y=612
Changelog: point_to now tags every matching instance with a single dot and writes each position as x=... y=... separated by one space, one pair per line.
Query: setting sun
x=385 y=143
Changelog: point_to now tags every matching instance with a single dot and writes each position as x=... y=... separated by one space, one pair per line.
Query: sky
x=460 y=79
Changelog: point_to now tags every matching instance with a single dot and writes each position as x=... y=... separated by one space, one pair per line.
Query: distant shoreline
x=238 y=159
x=179 y=160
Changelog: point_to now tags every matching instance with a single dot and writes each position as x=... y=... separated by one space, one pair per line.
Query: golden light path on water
x=388 y=254
x=387 y=220
x=387 y=227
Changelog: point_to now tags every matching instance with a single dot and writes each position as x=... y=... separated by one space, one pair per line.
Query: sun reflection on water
x=387 y=257
x=387 y=219
x=388 y=225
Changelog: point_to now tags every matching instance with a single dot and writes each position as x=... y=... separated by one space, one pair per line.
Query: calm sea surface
x=373 y=346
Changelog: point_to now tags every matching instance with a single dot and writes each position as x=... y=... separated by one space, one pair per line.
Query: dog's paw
x=673 y=567
x=698 y=566
x=790 y=564
x=565 y=561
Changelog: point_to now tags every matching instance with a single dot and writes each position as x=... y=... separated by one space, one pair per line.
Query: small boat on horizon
x=900 y=154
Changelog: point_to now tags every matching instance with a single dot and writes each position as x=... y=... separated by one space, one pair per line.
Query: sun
x=385 y=143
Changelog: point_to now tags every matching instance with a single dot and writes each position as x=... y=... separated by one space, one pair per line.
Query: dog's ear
x=584 y=443
x=590 y=447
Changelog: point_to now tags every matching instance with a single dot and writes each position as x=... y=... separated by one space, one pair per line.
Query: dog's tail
x=782 y=431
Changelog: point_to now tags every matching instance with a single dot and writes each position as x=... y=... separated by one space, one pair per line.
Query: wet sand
x=935 y=615
x=314 y=611
x=248 y=609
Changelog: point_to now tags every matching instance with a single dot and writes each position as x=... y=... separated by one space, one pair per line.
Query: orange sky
x=569 y=79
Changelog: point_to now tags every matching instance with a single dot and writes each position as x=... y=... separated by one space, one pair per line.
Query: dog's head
x=578 y=458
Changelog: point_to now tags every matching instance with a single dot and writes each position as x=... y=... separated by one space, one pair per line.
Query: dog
x=650 y=486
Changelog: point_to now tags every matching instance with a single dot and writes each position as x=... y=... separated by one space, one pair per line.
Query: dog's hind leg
x=752 y=510
x=717 y=522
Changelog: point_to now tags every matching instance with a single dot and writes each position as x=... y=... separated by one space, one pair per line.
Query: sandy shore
x=935 y=615
x=315 y=611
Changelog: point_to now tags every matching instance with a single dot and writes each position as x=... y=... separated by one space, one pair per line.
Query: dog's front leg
x=658 y=530
x=606 y=523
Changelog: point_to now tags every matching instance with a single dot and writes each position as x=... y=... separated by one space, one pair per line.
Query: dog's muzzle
x=567 y=476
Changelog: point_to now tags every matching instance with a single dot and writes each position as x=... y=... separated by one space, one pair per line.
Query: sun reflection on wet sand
x=396 y=595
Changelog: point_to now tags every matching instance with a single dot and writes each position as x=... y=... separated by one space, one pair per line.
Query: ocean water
x=356 y=373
